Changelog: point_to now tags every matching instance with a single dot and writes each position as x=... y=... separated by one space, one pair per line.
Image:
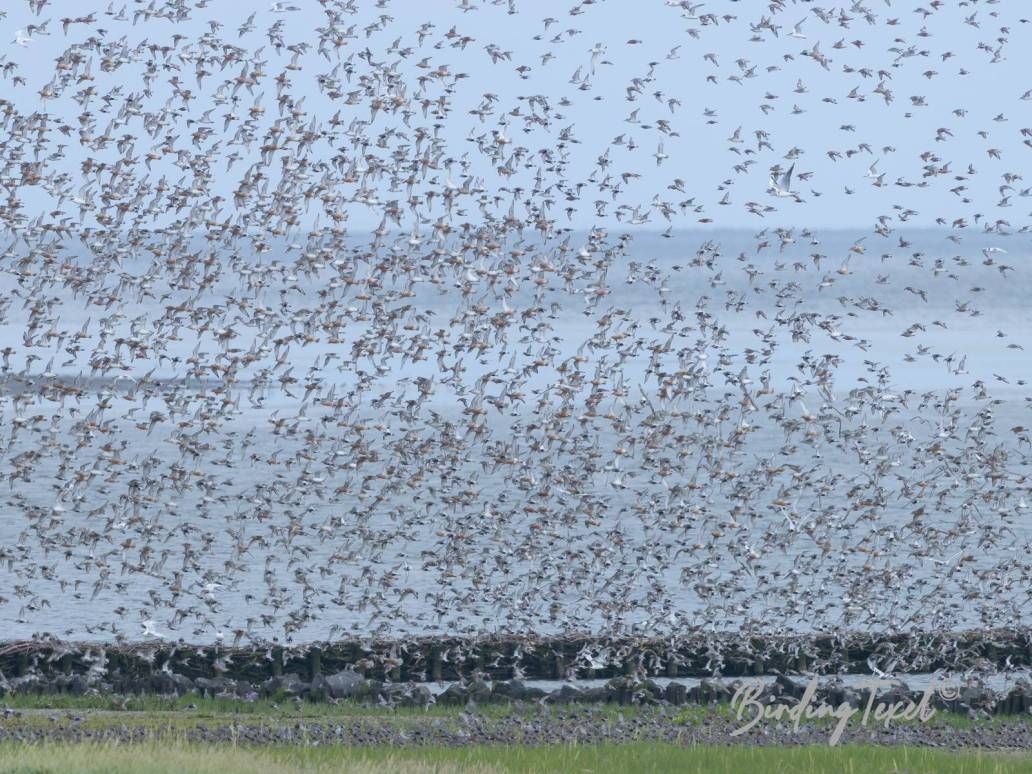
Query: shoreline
x=502 y=657
x=504 y=670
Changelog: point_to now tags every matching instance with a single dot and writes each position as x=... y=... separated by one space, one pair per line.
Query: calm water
x=874 y=500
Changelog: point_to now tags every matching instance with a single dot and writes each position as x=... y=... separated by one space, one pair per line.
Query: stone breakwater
x=503 y=657
x=494 y=669
x=475 y=690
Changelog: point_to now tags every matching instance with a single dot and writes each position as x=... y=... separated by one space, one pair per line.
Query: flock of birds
x=540 y=390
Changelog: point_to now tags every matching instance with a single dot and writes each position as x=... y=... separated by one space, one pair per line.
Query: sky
x=754 y=80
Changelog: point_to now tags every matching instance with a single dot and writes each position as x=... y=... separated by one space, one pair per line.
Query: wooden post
x=676 y=694
x=436 y=664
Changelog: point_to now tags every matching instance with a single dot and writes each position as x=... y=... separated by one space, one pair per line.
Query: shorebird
x=781 y=185
x=326 y=320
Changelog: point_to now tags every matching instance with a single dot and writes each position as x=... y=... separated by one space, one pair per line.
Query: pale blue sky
x=701 y=155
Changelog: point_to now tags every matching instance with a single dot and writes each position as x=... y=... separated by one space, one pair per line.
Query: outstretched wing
x=786 y=179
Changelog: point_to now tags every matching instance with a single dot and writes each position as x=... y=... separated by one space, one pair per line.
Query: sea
x=876 y=478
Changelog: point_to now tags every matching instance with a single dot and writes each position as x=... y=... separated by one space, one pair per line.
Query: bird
x=781 y=185
x=329 y=321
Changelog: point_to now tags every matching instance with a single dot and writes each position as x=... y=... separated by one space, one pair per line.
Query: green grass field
x=184 y=712
x=152 y=711
x=182 y=758
x=169 y=741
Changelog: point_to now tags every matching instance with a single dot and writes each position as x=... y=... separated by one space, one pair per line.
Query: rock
x=516 y=690
x=567 y=694
x=622 y=689
x=345 y=684
x=279 y=683
x=1017 y=701
x=597 y=695
x=676 y=693
x=76 y=685
x=297 y=687
x=453 y=694
x=371 y=688
x=975 y=698
x=506 y=688
x=317 y=689
x=210 y=686
x=654 y=689
x=26 y=684
x=56 y=684
x=630 y=690
x=478 y=689
x=162 y=683
x=533 y=693
x=786 y=686
x=171 y=683
x=835 y=693
x=394 y=693
x=711 y=691
x=897 y=692
x=243 y=688
x=419 y=696
x=183 y=683
x=268 y=687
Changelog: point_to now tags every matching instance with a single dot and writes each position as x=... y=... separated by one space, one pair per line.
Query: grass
x=694 y=714
x=167 y=741
x=279 y=706
x=160 y=716
x=190 y=759
x=151 y=758
x=186 y=709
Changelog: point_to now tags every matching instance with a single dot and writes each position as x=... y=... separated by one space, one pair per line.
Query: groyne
x=505 y=657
